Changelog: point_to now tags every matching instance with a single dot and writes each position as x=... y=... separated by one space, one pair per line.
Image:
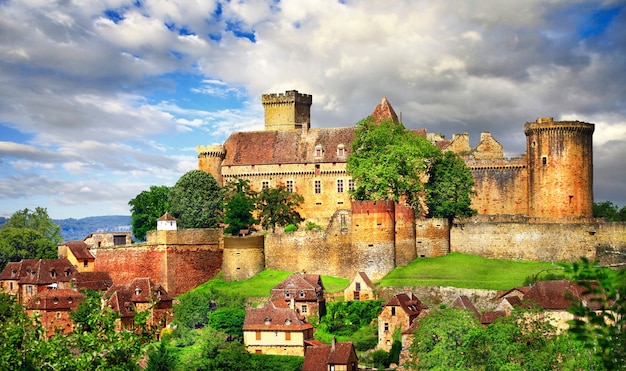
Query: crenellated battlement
x=288 y=97
x=548 y=124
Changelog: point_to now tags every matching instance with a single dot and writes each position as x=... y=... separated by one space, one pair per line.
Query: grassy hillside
x=455 y=270
x=261 y=284
x=466 y=271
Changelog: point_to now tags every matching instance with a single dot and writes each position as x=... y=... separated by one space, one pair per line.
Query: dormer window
x=301 y=293
x=287 y=294
x=137 y=291
x=287 y=321
x=341 y=150
x=267 y=320
x=319 y=151
x=55 y=300
x=68 y=272
x=158 y=292
x=53 y=273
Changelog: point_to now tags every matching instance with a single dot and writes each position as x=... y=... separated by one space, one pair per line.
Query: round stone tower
x=373 y=237
x=560 y=168
x=210 y=160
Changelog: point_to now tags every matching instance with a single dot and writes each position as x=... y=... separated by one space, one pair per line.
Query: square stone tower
x=289 y=111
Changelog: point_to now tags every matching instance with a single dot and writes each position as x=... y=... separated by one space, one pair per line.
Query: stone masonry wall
x=519 y=240
x=432 y=237
x=243 y=257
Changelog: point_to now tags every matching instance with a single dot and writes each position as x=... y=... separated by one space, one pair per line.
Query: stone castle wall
x=179 y=260
x=243 y=257
x=432 y=237
x=501 y=185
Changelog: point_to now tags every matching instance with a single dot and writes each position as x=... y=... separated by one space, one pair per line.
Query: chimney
x=292 y=303
x=334 y=344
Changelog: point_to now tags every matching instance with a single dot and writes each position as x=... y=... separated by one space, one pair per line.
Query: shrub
x=291 y=228
x=310 y=226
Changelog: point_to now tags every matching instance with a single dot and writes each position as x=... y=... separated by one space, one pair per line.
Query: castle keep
x=538 y=206
x=553 y=179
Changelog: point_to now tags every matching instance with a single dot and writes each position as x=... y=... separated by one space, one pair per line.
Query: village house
x=398 y=313
x=276 y=328
x=337 y=356
x=360 y=288
x=306 y=291
x=554 y=297
x=77 y=252
x=29 y=277
x=52 y=307
x=139 y=296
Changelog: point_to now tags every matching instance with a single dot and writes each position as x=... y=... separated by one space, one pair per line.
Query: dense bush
x=345 y=318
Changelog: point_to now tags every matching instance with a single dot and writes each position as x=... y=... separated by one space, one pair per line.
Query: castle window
x=544 y=160
x=318 y=186
x=350 y=184
x=339 y=185
x=341 y=150
x=386 y=326
x=290 y=186
x=265 y=184
x=318 y=151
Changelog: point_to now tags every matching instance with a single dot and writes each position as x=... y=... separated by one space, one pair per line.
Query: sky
x=99 y=100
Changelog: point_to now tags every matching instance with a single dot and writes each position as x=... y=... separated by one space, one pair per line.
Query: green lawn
x=261 y=284
x=466 y=271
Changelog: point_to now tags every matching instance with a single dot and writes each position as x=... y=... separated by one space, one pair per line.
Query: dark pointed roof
x=311 y=284
x=558 y=295
x=123 y=297
x=40 y=271
x=79 y=249
x=463 y=302
x=166 y=217
x=384 y=111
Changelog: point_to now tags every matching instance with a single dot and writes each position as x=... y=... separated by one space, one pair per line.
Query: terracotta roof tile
x=271 y=318
x=557 y=295
x=463 y=302
x=490 y=316
x=317 y=358
x=384 y=111
x=41 y=271
x=79 y=249
x=99 y=280
x=287 y=147
x=123 y=297
x=57 y=299
x=409 y=303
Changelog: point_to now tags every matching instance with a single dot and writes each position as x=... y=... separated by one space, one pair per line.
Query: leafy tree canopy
x=388 y=162
x=610 y=211
x=449 y=187
x=239 y=204
x=195 y=200
x=453 y=339
x=146 y=208
x=278 y=206
x=29 y=234
x=603 y=333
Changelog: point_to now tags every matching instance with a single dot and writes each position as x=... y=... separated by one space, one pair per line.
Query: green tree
x=239 y=204
x=610 y=211
x=449 y=187
x=161 y=359
x=146 y=208
x=388 y=162
x=603 y=332
x=228 y=321
x=195 y=200
x=277 y=206
x=29 y=234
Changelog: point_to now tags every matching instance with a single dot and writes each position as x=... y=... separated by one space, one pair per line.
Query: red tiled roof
x=79 y=249
x=522 y=289
x=365 y=279
x=40 y=271
x=490 y=316
x=557 y=295
x=56 y=299
x=309 y=284
x=271 y=318
x=409 y=303
x=99 y=280
x=287 y=147
x=317 y=358
x=123 y=297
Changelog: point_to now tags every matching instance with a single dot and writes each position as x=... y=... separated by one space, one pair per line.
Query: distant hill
x=78 y=229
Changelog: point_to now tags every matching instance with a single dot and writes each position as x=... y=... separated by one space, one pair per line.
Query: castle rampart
x=179 y=260
x=243 y=257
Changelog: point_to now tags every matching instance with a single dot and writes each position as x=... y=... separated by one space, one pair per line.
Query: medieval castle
x=538 y=206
